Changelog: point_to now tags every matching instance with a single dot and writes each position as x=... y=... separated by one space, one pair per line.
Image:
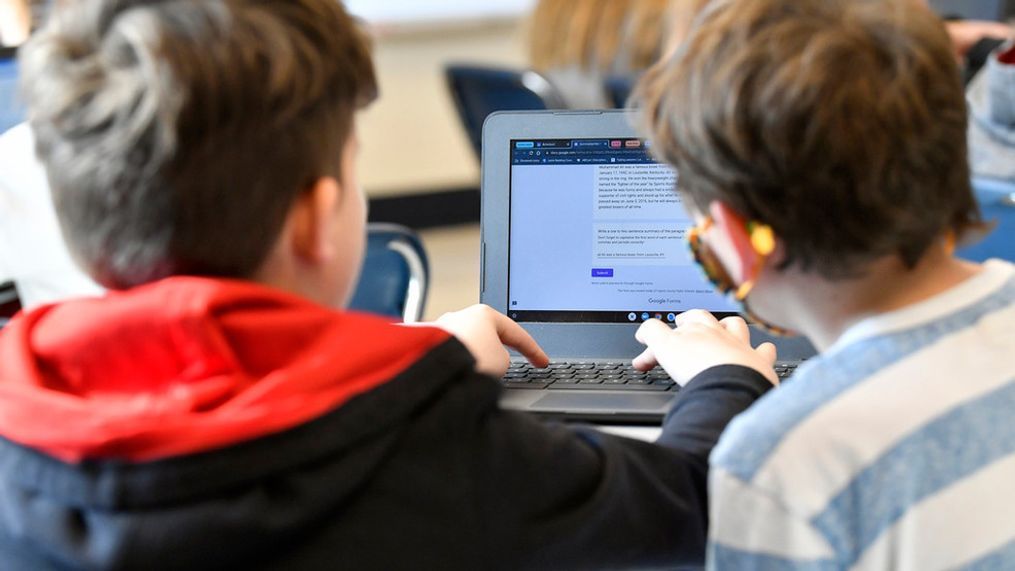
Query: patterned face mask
x=762 y=241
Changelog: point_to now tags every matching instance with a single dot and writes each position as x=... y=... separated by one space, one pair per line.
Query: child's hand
x=485 y=332
x=699 y=342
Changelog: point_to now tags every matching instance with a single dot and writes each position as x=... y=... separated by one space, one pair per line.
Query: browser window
x=597 y=234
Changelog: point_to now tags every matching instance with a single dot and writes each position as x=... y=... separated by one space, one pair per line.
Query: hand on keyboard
x=700 y=341
x=486 y=332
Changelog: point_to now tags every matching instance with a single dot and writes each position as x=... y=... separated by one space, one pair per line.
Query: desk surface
x=646 y=433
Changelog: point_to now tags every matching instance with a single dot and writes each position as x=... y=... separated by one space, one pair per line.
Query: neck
x=825 y=309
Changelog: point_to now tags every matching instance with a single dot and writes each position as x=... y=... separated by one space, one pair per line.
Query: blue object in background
x=479 y=91
x=618 y=89
x=12 y=111
x=997 y=203
x=999 y=10
x=395 y=276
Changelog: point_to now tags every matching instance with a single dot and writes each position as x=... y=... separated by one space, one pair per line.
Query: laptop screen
x=597 y=234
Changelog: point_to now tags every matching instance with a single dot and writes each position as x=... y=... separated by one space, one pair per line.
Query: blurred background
x=444 y=64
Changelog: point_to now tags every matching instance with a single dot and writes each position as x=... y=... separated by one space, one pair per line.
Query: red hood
x=185 y=365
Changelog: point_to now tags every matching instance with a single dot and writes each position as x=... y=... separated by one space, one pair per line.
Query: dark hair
x=176 y=134
x=840 y=123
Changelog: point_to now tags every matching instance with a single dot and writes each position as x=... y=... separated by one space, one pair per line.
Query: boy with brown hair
x=821 y=147
x=212 y=411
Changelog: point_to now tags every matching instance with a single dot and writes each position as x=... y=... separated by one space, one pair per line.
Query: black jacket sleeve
x=978 y=55
x=566 y=498
x=706 y=405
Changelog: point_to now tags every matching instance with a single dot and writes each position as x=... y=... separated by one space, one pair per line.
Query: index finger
x=696 y=316
x=652 y=332
x=517 y=338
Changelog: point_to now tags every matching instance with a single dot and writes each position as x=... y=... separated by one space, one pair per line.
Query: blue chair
x=997 y=203
x=618 y=89
x=479 y=91
x=395 y=274
x=12 y=111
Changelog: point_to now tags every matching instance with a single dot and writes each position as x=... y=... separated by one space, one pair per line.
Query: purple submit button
x=602 y=272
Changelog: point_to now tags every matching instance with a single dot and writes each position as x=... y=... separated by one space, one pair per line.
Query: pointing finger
x=696 y=316
x=652 y=332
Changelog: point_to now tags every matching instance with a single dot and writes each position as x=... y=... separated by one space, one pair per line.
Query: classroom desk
x=646 y=433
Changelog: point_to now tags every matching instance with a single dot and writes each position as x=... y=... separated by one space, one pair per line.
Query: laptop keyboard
x=600 y=376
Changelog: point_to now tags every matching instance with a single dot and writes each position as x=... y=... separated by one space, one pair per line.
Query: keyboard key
x=612 y=375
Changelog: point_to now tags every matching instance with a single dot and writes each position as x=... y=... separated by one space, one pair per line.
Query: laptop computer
x=582 y=240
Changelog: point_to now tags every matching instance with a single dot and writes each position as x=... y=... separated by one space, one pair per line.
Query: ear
x=731 y=242
x=311 y=218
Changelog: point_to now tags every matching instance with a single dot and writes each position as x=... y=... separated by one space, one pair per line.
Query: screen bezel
x=597 y=340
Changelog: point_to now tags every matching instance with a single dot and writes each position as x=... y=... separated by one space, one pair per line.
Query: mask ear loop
x=763 y=243
x=762 y=240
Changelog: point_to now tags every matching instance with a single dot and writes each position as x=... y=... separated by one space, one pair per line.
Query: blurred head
x=202 y=137
x=839 y=124
x=604 y=36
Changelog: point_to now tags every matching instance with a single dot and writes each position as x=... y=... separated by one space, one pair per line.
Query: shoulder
x=754 y=436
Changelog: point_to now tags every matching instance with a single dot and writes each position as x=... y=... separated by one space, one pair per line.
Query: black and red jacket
x=207 y=424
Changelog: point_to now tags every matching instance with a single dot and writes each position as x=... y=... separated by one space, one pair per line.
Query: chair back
x=618 y=89
x=12 y=111
x=479 y=91
x=10 y=303
x=997 y=204
x=396 y=274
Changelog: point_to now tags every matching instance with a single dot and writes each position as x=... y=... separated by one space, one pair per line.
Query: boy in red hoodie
x=211 y=410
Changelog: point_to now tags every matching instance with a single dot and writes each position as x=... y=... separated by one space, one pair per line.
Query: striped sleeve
x=752 y=529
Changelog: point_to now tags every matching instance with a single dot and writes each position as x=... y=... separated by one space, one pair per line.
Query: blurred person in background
x=985 y=50
x=579 y=44
x=991 y=99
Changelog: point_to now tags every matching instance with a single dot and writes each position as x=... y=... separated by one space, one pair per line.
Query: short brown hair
x=176 y=134
x=840 y=123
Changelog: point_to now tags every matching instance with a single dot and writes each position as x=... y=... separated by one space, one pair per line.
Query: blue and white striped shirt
x=895 y=449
